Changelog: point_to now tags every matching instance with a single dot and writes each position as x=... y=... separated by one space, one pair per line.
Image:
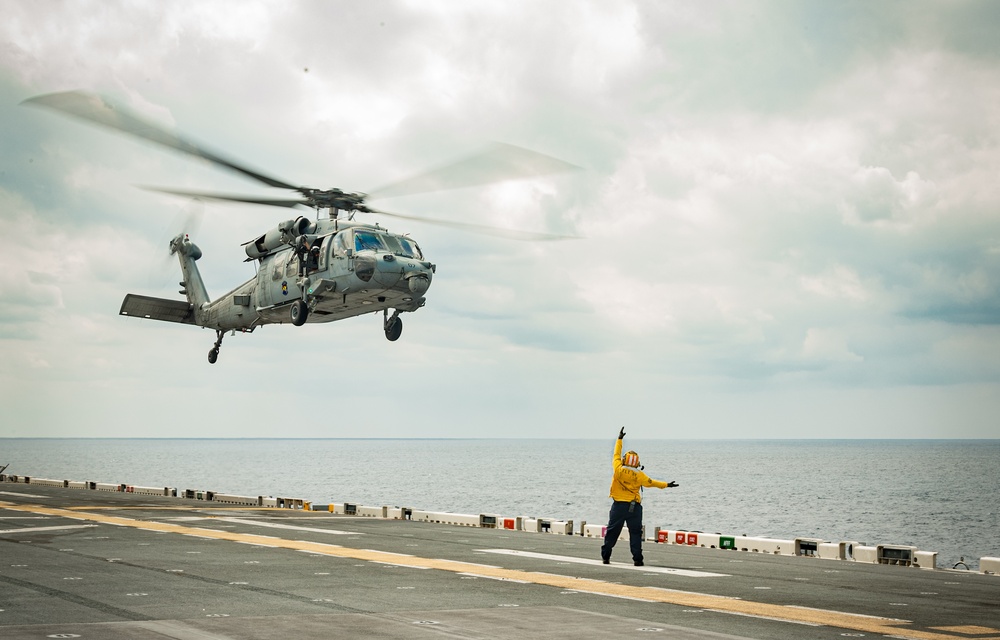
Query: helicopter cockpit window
x=410 y=248
x=400 y=246
x=366 y=240
x=392 y=244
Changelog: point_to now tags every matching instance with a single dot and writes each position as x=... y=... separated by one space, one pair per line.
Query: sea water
x=936 y=495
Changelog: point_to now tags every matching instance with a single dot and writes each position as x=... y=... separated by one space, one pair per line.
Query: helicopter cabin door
x=277 y=280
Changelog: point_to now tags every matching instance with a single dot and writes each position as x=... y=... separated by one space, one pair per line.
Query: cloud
x=774 y=200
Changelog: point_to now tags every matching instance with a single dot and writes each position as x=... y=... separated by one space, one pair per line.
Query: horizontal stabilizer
x=157 y=309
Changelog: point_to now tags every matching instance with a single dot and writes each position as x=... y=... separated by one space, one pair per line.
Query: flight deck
x=110 y=565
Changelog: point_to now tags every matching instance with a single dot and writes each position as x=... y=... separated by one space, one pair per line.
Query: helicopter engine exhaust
x=284 y=234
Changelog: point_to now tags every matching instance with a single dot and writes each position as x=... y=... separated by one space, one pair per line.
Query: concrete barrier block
x=765 y=545
x=47 y=482
x=925 y=559
x=807 y=547
x=989 y=566
x=594 y=530
x=490 y=521
x=847 y=549
x=562 y=527
x=829 y=551
x=150 y=491
x=246 y=501
x=709 y=540
x=418 y=515
x=866 y=554
x=896 y=555
x=291 y=503
x=370 y=512
x=687 y=538
x=76 y=484
x=460 y=519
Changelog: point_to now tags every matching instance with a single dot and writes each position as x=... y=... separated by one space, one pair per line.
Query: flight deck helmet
x=630 y=459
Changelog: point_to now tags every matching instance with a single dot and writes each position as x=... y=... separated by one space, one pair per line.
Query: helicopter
x=317 y=270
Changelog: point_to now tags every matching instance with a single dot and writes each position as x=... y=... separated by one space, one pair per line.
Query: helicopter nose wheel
x=213 y=353
x=393 y=325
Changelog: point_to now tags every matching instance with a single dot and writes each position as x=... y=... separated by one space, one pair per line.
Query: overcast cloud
x=789 y=214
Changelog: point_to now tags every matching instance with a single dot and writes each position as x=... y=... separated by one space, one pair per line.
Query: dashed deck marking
x=969 y=629
x=618 y=565
x=275 y=525
x=54 y=528
x=868 y=624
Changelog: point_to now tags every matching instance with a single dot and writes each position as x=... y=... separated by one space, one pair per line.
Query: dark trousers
x=619 y=517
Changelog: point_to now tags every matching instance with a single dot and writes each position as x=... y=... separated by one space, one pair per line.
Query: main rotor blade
x=513 y=234
x=273 y=202
x=499 y=163
x=96 y=109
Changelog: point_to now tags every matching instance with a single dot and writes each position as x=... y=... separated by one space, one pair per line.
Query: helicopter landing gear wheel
x=298 y=313
x=213 y=353
x=393 y=326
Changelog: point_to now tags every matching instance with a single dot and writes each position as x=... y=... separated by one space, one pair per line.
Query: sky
x=788 y=217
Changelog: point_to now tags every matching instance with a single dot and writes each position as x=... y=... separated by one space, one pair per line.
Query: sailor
x=626 y=491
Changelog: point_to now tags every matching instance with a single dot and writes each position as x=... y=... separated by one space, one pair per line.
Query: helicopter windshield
x=398 y=245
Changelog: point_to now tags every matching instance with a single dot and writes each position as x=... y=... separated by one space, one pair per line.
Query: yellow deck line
x=837 y=619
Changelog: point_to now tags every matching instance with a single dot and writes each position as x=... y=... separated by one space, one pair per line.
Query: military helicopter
x=308 y=270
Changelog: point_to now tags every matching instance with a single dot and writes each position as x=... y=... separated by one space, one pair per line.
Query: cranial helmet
x=630 y=459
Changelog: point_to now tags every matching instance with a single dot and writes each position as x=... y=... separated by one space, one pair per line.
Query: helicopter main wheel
x=213 y=353
x=298 y=313
x=393 y=328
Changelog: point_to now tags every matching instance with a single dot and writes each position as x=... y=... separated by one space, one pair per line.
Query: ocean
x=937 y=495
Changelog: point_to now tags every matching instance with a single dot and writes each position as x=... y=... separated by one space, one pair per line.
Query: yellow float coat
x=626 y=481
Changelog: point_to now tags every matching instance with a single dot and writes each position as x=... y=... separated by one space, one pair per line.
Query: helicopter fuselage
x=332 y=270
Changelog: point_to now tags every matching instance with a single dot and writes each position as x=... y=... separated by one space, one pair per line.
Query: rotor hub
x=334 y=199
